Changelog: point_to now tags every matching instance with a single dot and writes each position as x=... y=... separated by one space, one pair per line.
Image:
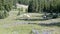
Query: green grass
x=26 y=29
x=23 y=28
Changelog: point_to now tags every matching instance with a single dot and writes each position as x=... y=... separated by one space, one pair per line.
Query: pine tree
x=49 y=6
x=30 y=8
x=5 y=7
x=33 y=6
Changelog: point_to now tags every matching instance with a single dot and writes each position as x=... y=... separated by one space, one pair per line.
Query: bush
x=3 y=14
x=19 y=11
x=5 y=7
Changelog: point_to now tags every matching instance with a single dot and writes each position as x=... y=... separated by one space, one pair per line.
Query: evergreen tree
x=33 y=6
x=49 y=6
x=5 y=7
x=30 y=8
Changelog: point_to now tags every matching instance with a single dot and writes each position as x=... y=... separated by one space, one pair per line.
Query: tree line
x=49 y=6
x=26 y=2
x=5 y=7
x=38 y=6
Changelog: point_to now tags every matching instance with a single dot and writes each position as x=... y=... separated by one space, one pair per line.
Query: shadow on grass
x=32 y=19
x=35 y=20
x=41 y=24
x=51 y=24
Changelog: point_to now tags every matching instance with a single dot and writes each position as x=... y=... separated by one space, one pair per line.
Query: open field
x=29 y=16
x=11 y=26
x=26 y=29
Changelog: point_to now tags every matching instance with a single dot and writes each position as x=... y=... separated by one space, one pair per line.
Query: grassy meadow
x=9 y=26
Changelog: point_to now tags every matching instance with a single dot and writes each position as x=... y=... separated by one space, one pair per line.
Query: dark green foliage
x=19 y=11
x=6 y=4
x=33 y=6
x=5 y=7
x=49 y=6
x=30 y=8
x=45 y=6
x=26 y=2
x=14 y=3
x=3 y=14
